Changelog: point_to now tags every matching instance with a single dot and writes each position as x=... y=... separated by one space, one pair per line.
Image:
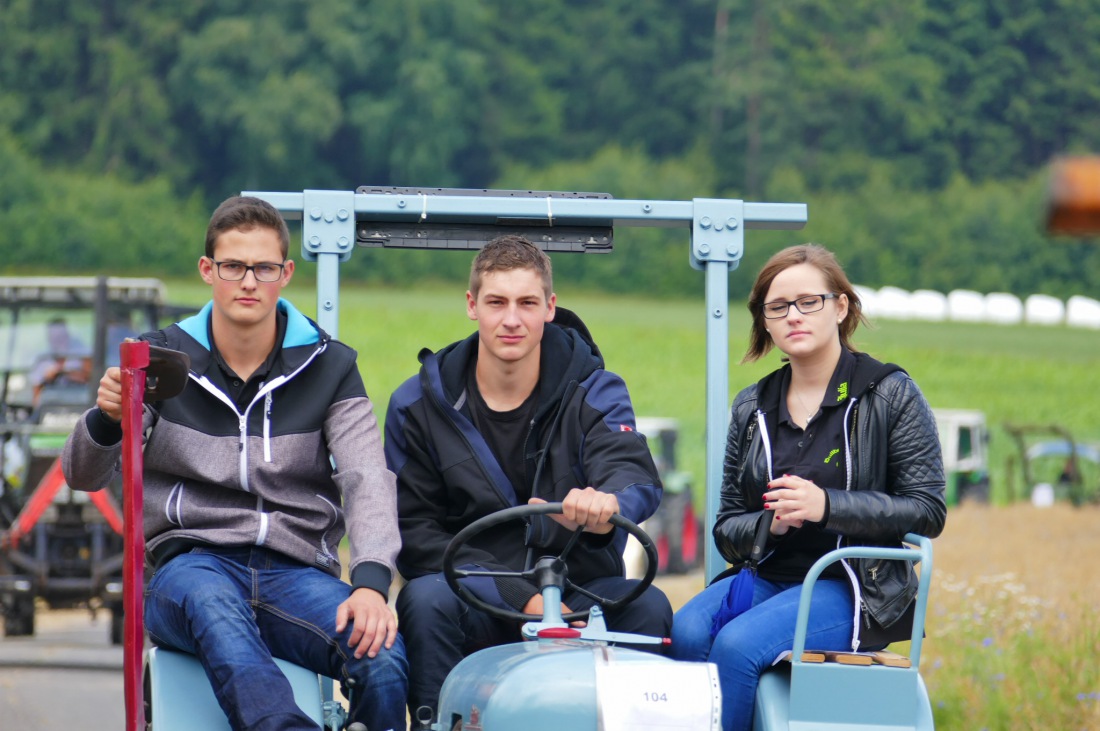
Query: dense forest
x=918 y=131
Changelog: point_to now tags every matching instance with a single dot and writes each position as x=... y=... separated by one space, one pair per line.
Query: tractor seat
x=179 y=697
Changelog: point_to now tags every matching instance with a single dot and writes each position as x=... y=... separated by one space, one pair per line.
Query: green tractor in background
x=57 y=335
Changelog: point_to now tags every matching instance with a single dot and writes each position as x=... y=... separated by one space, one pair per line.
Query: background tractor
x=57 y=335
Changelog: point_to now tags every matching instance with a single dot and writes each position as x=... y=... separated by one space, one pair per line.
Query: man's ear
x=551 y=308
x=206 y=270
x=471 y=306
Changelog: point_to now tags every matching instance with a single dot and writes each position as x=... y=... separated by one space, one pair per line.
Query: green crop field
x=1020 y=374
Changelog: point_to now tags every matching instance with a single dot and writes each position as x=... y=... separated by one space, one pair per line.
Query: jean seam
x=324 y=636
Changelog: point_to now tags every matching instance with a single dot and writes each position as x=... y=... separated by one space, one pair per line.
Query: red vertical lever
x=135 y=359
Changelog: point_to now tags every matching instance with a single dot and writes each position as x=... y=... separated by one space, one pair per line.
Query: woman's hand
x=794 y=501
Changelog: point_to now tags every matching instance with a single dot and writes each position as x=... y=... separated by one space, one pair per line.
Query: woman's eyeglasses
x=805 y=305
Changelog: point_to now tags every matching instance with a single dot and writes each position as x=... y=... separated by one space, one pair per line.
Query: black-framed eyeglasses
x=805 y=305
x=235 y=271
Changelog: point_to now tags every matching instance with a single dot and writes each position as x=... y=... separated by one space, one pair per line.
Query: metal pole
x=717 y=401
x=135 y=358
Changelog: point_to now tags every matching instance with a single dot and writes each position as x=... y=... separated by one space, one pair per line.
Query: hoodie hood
x=567 y=354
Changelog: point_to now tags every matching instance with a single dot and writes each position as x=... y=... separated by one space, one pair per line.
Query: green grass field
x=1020 y=374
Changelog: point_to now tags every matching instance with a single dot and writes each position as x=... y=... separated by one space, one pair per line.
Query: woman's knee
x=691 y=634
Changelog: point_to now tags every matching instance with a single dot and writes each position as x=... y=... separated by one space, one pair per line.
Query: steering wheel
x=548 y=571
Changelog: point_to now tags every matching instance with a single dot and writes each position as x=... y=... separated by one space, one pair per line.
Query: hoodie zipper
x=532 y=535
x=242 y=427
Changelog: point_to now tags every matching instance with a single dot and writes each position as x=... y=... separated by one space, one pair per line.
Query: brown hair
x=245 y=213
x=835 y=279
x=506 y=253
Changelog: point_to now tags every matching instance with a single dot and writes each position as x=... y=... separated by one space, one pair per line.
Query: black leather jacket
x=895 y=485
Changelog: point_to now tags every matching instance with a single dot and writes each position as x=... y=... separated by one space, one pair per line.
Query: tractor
x=559 y=676
x=57 y=334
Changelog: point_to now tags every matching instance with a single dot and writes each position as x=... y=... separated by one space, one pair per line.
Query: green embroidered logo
x=842 y=392
x=831 y=455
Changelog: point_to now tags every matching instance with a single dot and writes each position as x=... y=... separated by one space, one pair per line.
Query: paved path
x=68 y=676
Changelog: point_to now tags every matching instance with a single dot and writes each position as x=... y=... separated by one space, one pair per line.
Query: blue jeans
x=750 y=643
x=441 y=629
x=236 y=608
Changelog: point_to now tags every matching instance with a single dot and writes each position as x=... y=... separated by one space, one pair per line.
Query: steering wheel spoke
x=466 y=573
x=572 y=542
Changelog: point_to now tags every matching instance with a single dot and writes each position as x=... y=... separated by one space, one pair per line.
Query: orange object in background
x=1074 y=199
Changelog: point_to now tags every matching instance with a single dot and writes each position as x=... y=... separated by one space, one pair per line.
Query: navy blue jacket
x=583 y=434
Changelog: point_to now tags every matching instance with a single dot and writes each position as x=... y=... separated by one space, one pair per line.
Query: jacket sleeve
x=367 y=487
x=92 y=456
x=912 y=500
x=735 y=525
x=616 y=457
x=424 y=508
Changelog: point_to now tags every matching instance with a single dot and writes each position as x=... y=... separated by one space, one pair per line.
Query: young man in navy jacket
x=522 y=411
x=253 y=475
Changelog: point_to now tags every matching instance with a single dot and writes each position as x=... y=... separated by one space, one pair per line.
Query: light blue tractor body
x=549 y=685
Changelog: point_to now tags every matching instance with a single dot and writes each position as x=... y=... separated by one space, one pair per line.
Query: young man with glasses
x=252 y=477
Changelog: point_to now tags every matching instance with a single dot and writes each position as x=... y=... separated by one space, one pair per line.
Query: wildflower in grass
x=987 y=642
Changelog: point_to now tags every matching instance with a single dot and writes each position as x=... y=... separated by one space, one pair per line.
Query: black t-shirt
x=816 y=453
x=241 y=391
x=505 y=432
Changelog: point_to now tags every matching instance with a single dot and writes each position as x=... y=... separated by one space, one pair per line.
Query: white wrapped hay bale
x=1042 y=309
x=965 y=305
x=1003 y=308
x=927 y=304
x=1083 y=312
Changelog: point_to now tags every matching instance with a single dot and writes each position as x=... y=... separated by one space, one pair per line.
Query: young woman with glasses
x=834 y=448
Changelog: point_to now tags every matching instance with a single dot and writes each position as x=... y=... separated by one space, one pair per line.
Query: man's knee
x=388 y=668
x=649 y=614
x=428 y=599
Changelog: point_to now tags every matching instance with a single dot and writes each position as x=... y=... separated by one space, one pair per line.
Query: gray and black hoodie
x=292 y=471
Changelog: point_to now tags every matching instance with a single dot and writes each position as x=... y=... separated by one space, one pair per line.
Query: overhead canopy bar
x=333 y=222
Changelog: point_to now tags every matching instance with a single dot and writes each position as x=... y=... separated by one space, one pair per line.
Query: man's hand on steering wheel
x=588 y=507
x=548 y=571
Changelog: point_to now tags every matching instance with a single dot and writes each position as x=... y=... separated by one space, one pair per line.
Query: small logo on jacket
x=625 y=427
